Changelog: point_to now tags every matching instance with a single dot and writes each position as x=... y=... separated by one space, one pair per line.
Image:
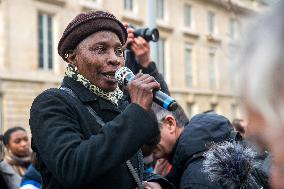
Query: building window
x=212 y=68
x=161 y=9
x=45 y=41
x=188 y=65
x=232 y=28
x=211 y=22
x=187 y=16
x=128 y=5
x=161 y=56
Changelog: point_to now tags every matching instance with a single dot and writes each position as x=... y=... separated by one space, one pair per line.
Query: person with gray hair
x=260 y=83
x=206 y=152
x=183 y=143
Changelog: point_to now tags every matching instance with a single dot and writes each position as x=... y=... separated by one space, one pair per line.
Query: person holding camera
x=139 y=46
x=85 y=133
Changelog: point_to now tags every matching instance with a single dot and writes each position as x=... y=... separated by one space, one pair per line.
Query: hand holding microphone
x=143 y=88
x=140 y=90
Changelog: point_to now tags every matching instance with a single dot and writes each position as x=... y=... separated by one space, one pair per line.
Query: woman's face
x=98 y=57
x=19 y=143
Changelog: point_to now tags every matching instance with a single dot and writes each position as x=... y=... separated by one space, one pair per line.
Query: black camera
x=147 y=33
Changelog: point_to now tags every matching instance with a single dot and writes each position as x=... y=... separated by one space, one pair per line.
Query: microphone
x=233 y=165
x=124 y=75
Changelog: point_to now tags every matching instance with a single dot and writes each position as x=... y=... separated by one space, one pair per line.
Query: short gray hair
x=178 y=114
x=260 y=65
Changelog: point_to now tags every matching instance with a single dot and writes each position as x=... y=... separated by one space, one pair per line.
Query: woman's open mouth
x=110 y=75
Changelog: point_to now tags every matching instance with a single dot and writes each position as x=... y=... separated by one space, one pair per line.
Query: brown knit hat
x=86 y=24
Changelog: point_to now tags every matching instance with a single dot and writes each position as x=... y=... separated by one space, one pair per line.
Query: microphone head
x=122 y=75
x=231 y=164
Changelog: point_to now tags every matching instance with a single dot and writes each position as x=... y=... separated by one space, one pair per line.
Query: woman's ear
x=71 y=58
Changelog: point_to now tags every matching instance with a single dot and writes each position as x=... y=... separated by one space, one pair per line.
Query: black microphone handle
x=164 y=100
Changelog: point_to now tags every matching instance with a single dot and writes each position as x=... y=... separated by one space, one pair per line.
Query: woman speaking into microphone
x=85 y=134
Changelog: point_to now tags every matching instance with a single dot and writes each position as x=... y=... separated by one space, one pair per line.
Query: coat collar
x=81 y=91
x=6 y=168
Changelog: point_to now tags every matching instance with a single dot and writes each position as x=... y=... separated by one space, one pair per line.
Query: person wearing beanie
x=85 y=133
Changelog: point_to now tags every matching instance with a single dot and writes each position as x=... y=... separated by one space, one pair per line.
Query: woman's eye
x=119 y=51
x=99 y=49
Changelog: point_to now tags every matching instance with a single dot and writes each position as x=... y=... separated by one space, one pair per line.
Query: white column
x=151 y=18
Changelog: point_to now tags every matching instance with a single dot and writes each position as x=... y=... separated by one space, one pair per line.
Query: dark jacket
x=31 y=177
x=74 y=151
x=153 y=71
x=187 y=157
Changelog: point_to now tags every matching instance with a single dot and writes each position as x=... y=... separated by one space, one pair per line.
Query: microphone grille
x=231 y=164
x=120 y=75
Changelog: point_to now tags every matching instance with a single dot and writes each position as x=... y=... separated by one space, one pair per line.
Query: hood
x=202 y=130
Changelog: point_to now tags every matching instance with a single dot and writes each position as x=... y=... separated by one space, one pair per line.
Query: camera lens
x=155 y=35
x=147 y=34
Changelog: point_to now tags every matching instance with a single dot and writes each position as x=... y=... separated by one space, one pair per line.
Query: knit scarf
x=19 y=164
x=113 y=96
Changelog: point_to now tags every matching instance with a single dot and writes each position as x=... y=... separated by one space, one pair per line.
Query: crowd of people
x=92 y=133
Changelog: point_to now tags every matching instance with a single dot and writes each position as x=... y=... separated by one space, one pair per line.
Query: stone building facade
x=190 y=53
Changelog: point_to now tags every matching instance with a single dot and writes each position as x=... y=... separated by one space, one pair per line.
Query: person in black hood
x=184 y=143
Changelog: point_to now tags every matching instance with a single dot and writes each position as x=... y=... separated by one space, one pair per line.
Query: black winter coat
x=74 y=151
x=187 y=157
x=197 y=137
